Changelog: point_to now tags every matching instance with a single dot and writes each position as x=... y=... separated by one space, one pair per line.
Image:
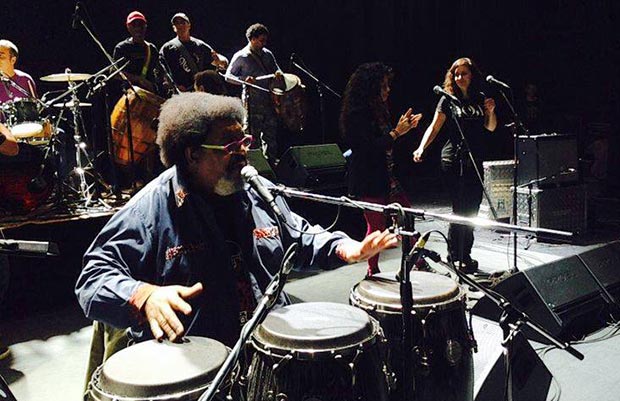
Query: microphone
x=250 y=175
x=76 y=16
x=415 y=251
x=440 y=91
x=494 y=81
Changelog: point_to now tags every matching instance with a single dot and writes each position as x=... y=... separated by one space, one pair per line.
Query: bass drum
x=143 y=111
x=24 y=186
x=289 y=99
x=163 y=371
x=442 y=341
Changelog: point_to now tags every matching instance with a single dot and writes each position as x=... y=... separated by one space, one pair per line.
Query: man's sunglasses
x=233 y=147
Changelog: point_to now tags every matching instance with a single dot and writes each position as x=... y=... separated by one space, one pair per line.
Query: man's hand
x=219 y=61
x=354 y=251
x=161 y=307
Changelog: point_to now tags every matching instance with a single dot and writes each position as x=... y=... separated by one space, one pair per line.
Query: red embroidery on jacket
x=175 y=251
x=266 y=232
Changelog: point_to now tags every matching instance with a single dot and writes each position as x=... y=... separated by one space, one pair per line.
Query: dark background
x=568 y=48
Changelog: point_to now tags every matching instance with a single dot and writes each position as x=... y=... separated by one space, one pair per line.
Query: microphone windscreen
x=247 y=172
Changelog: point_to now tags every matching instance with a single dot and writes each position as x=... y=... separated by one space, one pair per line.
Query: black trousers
x=466 y=195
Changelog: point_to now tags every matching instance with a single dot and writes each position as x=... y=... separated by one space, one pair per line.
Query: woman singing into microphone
x=366 y=126
x=476 y=116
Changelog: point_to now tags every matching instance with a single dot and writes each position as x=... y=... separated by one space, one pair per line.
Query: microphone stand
x=516 y=126
x=262 y=310
x=405 y=228
x=462 y=148
x=450 y=218
x=511 y=321
x=320 y=87
x=168 y=74
x=126 y=87
x=20 y=89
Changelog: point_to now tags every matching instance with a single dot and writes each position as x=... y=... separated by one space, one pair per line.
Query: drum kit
x=54 y=162
x=30 y=177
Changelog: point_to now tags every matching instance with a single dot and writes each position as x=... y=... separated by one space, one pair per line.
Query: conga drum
x=162 y=371
x=318 y=351
x=442 y=340
x=143 y=112
x=289 y=99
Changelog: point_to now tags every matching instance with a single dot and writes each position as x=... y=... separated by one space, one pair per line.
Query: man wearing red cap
x=142 y=70
x=186 y=56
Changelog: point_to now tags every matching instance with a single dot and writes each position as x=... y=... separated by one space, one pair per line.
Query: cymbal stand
x=85 y=191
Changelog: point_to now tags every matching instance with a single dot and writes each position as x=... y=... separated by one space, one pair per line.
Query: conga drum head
x=151 y=369
x=382 y=291
x=313 y=328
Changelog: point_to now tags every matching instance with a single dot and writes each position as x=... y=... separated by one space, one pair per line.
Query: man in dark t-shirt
x=186 y=56
x=142 y=69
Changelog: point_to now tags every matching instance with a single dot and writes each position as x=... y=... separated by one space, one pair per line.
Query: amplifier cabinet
x=551 y=158
x=561 y=208
x=498 y=183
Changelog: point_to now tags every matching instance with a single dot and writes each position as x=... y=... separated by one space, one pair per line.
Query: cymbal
x=64 y=77
x=68 y=105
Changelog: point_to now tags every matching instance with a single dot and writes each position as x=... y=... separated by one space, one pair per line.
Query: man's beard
x=231 y=182
x=227 y=186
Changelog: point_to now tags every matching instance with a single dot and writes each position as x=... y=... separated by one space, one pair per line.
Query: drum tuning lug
x=281 y=397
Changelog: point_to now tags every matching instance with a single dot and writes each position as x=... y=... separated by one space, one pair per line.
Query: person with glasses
x=186 y=56
x=193 y=251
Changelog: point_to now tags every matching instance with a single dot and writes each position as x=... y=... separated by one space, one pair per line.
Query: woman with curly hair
x=366 y=127
x=476 y=115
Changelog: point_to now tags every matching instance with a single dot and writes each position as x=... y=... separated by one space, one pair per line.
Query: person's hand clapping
x=406 y=122
x=489 y=105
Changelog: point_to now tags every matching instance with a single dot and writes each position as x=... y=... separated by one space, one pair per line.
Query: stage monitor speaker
x=314 y=167
x=530 y=377
x=260 y=163
x=562 y=296
x=551 y=158
x=604 y=263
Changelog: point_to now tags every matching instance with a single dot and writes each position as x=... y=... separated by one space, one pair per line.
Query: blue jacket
x=166 y=235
